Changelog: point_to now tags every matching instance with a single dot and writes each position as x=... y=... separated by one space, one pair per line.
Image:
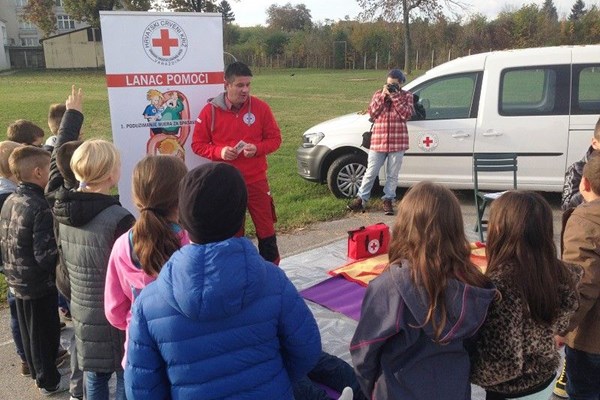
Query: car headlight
x=311 y=139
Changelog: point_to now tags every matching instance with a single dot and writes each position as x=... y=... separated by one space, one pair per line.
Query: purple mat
x=337 y=294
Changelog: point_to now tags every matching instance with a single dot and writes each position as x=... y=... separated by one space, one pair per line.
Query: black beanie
x=212 y=202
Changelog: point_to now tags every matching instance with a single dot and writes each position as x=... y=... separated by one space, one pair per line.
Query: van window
x=533 y=91
x=448 y=97
x=586 y=89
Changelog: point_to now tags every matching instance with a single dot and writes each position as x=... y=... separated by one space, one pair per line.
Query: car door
x=441 y=144
x=525 y=109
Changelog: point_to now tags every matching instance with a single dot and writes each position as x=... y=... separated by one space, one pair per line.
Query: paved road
x=15 y=386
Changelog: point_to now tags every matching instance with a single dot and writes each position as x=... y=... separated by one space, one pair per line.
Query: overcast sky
x=252 y=12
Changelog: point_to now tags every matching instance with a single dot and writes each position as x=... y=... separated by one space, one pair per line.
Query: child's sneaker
x=61 y=357
x=347 y=394
x=63 y=386
x=25 y=369
x=65 y=314
x=560 y=386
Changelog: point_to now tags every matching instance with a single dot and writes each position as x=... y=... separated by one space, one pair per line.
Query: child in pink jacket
x=139 y=254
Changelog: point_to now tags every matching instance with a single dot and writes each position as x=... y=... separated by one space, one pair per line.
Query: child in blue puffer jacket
x=219 y=322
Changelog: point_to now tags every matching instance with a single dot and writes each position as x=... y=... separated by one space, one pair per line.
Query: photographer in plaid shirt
x=389 y=109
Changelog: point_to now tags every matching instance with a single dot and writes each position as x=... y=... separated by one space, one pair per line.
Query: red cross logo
x=165 y=42
x=373 y=246
x=427 y=142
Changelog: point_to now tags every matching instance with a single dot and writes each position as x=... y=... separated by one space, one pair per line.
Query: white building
x=4 y=60
x=23 y=37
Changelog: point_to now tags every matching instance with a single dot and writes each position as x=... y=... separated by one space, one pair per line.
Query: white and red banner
x=161 y=68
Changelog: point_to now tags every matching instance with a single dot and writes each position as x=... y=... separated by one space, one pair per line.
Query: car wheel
x=345 y=175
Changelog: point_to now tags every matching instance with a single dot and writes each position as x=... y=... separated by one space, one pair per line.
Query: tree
x=225 y=9
x=396 y=10
x=191 y=5
x=89 y=10
x=41 y=13
x=577 y=11
x=289 y=18
x=550 y=10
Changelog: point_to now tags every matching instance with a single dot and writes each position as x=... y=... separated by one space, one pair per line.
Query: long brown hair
x=155 y=188
x=521 y=242
x=429 y=233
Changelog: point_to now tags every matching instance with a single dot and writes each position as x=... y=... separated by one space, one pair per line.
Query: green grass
x=298 y=101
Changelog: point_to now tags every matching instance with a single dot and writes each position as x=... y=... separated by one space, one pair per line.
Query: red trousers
x=262 y=212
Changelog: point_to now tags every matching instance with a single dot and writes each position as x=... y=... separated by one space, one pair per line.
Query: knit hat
x=212 y=202
x=397 y=74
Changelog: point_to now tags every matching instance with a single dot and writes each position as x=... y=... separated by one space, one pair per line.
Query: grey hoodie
x=393 y=351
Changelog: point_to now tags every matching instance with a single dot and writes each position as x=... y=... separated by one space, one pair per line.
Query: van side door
x=441 y=144
x=525 y=109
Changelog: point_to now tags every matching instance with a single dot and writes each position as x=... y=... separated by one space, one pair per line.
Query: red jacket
x=217 y=127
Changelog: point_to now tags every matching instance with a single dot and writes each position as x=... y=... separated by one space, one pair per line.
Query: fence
x=26 y=57
x=353 y=60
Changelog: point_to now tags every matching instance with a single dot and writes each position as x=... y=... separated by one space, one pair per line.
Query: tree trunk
x=407 y=44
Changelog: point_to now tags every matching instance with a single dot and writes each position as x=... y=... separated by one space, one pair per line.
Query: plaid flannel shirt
x=390 y=133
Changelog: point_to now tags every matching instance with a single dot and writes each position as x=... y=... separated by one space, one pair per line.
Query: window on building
x=29 y=42
x=58 y=3
x=20 y=3
x=64 y=23
x=4 y=36
x=26 y=25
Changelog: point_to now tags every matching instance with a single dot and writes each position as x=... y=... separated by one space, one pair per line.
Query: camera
x=393 y=87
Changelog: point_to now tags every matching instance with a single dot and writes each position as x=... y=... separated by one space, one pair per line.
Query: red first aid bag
x=368 y=241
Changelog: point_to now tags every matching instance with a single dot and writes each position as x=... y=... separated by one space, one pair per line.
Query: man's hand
x=385 y=90
x=75 y=99
x=249 y=150
x=228 y=153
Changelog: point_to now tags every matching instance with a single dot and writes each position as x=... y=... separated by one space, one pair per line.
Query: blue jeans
x=583 y=373
x=374 y=164
x=96 y=385
x=14 y=326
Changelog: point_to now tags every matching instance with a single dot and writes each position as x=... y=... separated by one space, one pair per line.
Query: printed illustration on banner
x=168 y=119
x=165 y=42
x=428 y=142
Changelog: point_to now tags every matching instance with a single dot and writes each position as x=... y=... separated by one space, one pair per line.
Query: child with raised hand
x=416 y=316
x=138 y=255
x=90 y=220
x=515 y=354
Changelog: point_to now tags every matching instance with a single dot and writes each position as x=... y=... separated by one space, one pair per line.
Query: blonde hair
x=94 y=161
x=25 y=159
x=153 y=93
x=6 y=149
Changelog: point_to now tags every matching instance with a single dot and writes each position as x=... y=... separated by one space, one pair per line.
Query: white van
x=541 y=103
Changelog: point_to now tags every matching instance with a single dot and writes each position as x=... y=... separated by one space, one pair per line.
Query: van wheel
x=345 y=175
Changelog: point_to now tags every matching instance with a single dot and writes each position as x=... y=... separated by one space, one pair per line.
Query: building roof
x=66 y=33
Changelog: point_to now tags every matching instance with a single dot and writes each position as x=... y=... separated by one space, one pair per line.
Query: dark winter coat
x=89 y=224
x=27 y=243
x=70 y=128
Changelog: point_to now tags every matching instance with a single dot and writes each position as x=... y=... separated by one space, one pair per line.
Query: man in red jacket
x=240 y=129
